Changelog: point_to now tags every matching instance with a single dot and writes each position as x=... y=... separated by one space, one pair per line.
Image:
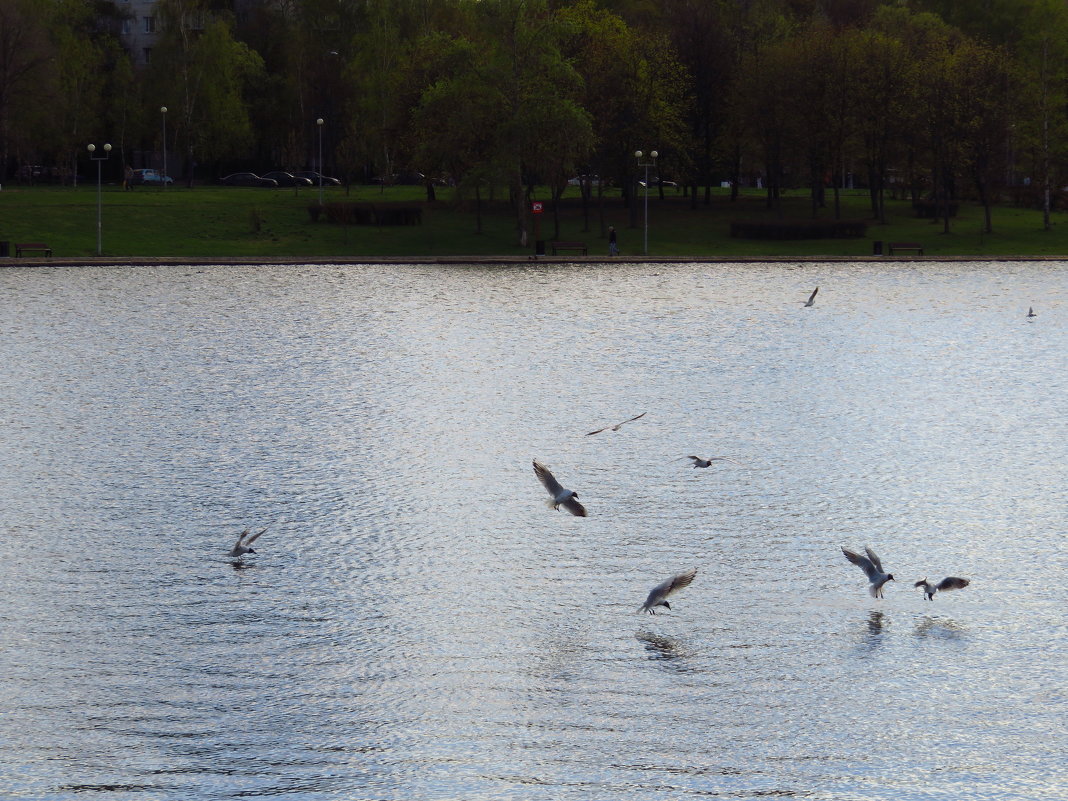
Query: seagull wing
x=727 y=459
x=631 y=420
x=812 y=297
x=241 y=538
x=547 y=479
x=572 y=505
x=953 y=583
x=863 y=562
x=254 y=537
x=598 y=431
x=874 y=559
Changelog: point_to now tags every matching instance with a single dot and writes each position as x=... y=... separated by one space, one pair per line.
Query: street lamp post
x=98 y=160
x=319 y=125
x=647 y=164
x=163 y=178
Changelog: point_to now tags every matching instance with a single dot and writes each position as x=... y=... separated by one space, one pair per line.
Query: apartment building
x=140 y=29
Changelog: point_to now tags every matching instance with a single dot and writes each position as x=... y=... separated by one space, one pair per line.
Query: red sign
x=536 y=207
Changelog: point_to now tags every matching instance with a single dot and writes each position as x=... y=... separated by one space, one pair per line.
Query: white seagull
x=617 y=426
x=244 y=544
x=812 y=298
x=948 y=583
x=699 y=462
x=658 y=594
x=560 y=496
x=872 y=567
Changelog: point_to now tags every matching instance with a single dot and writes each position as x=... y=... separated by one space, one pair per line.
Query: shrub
x=348 y=213
x=798 y=229
x=932 y=209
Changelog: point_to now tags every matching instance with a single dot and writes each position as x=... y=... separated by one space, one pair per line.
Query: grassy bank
x=213 y=221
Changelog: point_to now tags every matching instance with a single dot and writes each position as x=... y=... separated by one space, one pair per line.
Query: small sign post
x=536 y=208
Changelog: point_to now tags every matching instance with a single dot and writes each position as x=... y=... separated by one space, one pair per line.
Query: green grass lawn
x=215 y=221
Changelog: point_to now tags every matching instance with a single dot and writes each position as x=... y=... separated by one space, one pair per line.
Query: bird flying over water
x=658 y=595
x=617 y=426
x=559 y=496
x=699 y=462
x=948 y=583
x=812 y=298
x=872 y=567
x=244 y=544
x=1031 y=311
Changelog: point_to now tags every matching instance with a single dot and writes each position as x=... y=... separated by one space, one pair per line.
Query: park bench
x=557 y=246
x=916 y=246
x=32 y=247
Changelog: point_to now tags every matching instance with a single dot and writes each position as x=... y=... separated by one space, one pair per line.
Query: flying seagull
x=658 y=594
x=699 y=462
x=812 y=298
x=560 y=496
x=244 y=544
x=872 y=567
x=617 y=426
x=948 y=583
x=1031 y=311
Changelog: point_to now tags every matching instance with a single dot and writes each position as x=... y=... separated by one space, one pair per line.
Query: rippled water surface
x=417 y=624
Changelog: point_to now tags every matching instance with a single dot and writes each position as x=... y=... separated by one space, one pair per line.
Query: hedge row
x=341 y=213
x=799 y=229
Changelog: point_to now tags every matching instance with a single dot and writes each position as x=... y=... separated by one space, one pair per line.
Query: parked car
x=287 y=179
x=247 y=179
x=313 y=176
x=659 y=182
x=579 y=180
x=150 y=178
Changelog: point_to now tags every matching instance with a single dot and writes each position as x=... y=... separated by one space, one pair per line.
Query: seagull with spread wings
x=872 y=567
x=658 y=595
x=558 y=495
x=699 y=462
x=948 y=583
x=617 y=426
x=244 y=544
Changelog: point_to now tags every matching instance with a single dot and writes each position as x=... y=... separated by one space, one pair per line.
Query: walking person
x=127 y=178
x=613 y=245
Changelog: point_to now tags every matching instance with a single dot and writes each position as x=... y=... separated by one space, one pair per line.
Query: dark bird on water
x=244 y=544
x=558 y=495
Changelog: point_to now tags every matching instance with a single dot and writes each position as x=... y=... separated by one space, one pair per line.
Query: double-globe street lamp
x=98 y=160
x=163 y=178
x=319 y=125
x=647 y=164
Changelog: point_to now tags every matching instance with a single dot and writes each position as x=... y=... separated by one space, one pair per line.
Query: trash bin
x=5 y=248
x=877 y=247
x=539 y=247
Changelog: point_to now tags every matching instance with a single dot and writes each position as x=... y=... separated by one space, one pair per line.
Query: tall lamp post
x=163 y=178
x=319 y=125
x=647 y=164
x=98 y=160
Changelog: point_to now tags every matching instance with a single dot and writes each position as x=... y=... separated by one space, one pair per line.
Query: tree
x=25 y=53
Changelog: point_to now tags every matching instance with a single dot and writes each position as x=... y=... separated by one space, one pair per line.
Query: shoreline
x=208 y=261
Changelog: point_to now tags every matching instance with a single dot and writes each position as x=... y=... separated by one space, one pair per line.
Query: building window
x=126 y=27
x=147 y=53
x=150 y=24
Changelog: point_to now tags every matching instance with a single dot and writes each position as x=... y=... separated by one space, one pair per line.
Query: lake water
x=417 y=624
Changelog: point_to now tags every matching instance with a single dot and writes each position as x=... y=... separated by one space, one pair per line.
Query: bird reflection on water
x=670 y=651
x=939 y=627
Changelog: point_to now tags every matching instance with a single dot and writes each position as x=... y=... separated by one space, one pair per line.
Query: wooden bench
x=916 y=246
x=556 y=246
x=32 y=247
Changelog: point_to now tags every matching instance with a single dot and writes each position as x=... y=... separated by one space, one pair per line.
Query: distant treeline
x=939 y=99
